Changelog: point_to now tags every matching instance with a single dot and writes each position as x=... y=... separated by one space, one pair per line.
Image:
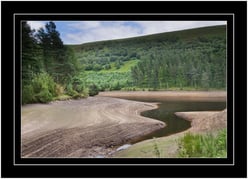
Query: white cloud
x=98 y=31
x=151 y=27
x=85 y=25
x=36 y=24
x=89 y=31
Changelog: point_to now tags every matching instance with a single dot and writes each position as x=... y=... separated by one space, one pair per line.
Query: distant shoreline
x=169 y=95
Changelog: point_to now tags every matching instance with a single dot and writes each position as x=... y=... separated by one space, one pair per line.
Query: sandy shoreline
x=169 y=95
x=98 y=125
x=205 y=121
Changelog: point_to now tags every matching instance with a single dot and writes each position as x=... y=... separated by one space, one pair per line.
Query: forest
x=188 y=59
x=193 y=59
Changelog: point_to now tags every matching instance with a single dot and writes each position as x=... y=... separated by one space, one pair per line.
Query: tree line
x=48 y=66
x=183 y=65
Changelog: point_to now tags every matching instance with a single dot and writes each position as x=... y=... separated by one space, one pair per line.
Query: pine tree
x=59 y=61
x=31 y=54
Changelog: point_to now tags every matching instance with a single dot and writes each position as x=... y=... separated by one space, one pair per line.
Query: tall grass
x=207 y=145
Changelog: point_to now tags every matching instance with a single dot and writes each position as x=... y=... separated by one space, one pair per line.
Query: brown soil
x=206 y=121
x=90 y=127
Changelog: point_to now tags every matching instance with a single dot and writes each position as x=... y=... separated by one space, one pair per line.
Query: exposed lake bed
x=83 y=128
x=96 y=126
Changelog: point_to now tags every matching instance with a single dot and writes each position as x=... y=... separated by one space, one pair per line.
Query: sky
x=79 y=32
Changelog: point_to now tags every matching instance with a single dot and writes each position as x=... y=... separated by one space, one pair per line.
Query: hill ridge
x=149 y=35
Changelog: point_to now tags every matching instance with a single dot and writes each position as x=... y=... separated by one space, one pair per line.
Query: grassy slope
x=126 y=67
x=187 y=35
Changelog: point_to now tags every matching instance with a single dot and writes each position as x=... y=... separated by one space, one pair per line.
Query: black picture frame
x=234 y=13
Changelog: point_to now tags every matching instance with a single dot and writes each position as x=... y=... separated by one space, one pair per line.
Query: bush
x=27 y=94
x=115 y=86
x=77 y=84
x=93 y=90
x=85 y=92
x=76 y=96
x=70 y=91
x=97 y=67
x=42 y=88
x=59 y=89
x=44 y=81
x=44 y=96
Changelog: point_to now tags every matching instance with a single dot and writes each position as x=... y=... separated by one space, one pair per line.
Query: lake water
x=166 y=111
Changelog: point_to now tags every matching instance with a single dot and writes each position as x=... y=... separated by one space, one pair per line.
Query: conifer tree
x=31 y=54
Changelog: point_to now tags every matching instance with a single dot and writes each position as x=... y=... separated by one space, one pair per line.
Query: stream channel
x=165 y=112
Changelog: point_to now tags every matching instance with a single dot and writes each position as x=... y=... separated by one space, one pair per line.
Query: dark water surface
x=166 y=111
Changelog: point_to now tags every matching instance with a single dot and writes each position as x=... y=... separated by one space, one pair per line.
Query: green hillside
x=194 y=58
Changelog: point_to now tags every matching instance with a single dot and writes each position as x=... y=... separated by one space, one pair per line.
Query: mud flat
x=92 y=127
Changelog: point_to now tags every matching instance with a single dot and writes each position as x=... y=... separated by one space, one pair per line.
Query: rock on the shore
x=123 y=147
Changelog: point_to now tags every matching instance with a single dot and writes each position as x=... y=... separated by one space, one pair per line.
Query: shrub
x=76 y=96
x=59 y=89
x=27 y=94
x=44 y=81
x=44 y=96
x=85 y=92
x=42 y=88
x=93 y=90
x=115 y=86
x=70 y=91
x=77 y=84
x=79 y=88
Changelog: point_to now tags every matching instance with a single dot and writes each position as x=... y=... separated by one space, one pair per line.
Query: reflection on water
x=166 y=111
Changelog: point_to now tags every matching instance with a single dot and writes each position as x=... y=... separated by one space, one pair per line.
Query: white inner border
x=115 y=164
